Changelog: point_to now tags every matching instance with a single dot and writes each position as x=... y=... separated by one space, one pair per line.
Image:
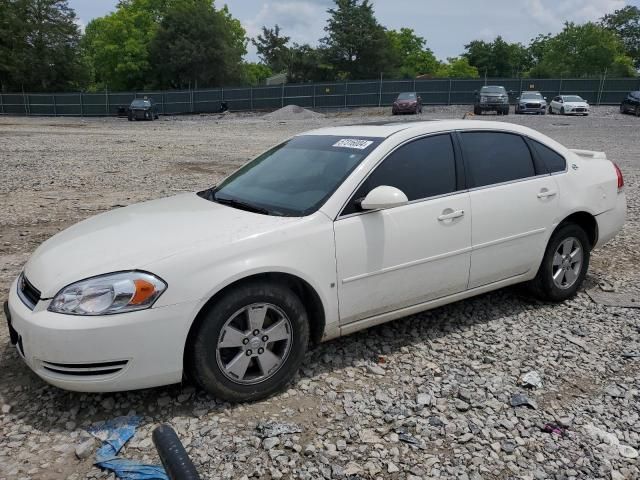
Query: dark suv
x=631 y=104
x=491 y=98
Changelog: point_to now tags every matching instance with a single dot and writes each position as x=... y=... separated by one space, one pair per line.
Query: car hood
x=130 y=238
x=532 y=100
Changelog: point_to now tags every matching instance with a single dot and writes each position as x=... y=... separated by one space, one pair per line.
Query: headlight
x=483 y=99
x=108 y=294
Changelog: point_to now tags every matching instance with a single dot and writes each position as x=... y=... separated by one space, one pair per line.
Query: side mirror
x=383 y=197
x=545 y=98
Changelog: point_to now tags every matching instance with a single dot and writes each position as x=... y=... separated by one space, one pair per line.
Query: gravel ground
x=428 y=396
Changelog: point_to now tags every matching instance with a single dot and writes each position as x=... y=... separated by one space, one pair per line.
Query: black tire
x=636 y=111
x=543 y=286
x=622 y=109
x=562 y=111
x=505 y=111
x=477 y=111
x=550 y=110
x=201 y=356
x=130 y=118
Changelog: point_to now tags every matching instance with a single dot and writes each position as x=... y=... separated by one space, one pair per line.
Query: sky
x=447 y=25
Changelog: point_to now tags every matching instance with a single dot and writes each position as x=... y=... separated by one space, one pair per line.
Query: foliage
x=498 y=58
x=457 y=67
x=273 y=48
x=255 y=74
x=39 y=46
x=582 y=50
x=410 y=54
x=626 y=24
x=197 y=45
x=356 y=44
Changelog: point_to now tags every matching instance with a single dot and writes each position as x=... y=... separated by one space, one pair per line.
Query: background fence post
x=449 y=95
x=55 y=109
x=106 y=99
x=162 y=98
x=81 y=106
x=251 y=97
x=2 y=104
x=380 y=92
x=314 y=95
x=346 y=87
x=560 y=87
x=282 y=97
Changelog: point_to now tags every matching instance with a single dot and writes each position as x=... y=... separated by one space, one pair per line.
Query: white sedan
x=330 y=232
x=569 y=105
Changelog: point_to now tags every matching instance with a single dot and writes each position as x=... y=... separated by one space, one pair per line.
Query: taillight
x=620 y=178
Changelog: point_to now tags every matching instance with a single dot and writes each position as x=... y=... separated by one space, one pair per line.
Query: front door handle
x=449 y=214
x=545 y=192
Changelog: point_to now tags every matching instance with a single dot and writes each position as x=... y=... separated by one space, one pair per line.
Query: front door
x=413 y=253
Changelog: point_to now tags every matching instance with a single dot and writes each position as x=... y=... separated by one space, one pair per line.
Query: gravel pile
x=292 y=112
x=495 y=387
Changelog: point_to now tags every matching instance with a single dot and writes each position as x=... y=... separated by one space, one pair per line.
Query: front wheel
x=637 y=111
x=550 y=110
x=564 y=266
x=562 y=111
x=250 y=343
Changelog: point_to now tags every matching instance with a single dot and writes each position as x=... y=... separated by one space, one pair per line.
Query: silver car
x=531 y=102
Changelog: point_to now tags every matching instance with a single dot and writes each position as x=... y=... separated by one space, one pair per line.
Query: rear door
x=513 y=203
x=402 y=256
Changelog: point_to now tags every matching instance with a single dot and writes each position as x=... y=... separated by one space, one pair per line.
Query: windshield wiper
x=241 y=205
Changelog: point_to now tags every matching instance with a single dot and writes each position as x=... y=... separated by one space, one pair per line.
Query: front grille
x=29 y=294
x=532 y=105
x=85 y=369
x=579 y=109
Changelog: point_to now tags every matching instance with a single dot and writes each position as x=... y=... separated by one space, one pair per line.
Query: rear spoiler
x=590 y=154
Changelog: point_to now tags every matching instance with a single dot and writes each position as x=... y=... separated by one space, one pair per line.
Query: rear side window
x=421 y=169
x=495 y=157
x=551 y=159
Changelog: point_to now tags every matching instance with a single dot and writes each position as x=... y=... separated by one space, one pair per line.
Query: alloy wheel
x=254 y=343
x=567 y=263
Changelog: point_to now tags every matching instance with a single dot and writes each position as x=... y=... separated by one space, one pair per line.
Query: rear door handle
x=450 y=215
x=545 y=192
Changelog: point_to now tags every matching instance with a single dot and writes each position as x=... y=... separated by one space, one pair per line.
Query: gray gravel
x=428 y=396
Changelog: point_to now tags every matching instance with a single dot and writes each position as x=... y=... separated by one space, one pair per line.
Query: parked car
x=143 y=109
x=631 y=103
x=491 y=98
x=407 y=102
x=231 y=285
x=531 y=102
x=569 y=105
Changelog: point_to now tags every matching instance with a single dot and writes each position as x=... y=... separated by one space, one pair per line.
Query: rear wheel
x=636 y=111
x=562 y=111
x=250 y=343
x=622 y=109
x=564 y=266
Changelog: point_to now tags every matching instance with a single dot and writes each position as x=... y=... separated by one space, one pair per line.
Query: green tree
x=457 y=67
x=273 y=48
x=39 y=46
x=356 y=44
x=626 y=24
x=410 y=53
x=498 y=58
x=582 y=51
x=117 y=45
x=255 y=74
x=196 y=45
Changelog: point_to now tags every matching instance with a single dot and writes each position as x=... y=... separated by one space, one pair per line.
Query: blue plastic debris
x=114 y=434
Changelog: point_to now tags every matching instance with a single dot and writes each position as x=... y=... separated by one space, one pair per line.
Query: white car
x=333 y=231
x=569 y=105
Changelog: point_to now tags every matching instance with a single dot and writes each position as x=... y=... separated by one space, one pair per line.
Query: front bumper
x=141 y=114
x=102 y=354
x=493 y=106
x=405 y=108
x=529 y=109
x=576 y=111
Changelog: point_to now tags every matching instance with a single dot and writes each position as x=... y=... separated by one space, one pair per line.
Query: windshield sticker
x=353 y=143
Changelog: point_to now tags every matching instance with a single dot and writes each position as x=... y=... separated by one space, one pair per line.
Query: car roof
x=382 y=130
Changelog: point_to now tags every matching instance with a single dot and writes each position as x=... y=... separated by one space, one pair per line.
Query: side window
x=421 y=169
x=551 y=159
x=495 y=157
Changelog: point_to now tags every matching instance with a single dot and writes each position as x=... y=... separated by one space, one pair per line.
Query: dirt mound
x=292 y=112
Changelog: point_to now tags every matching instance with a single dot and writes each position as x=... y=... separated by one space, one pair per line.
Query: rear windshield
x=141 y=103
x=407 y=96
x=493 y=90
x=296 y=177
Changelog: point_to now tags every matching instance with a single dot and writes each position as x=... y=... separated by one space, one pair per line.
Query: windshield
x=141 y=103
x=531 y=96
x=493 y=90
x=296 y=177
x=407 y=96
x=572 y=98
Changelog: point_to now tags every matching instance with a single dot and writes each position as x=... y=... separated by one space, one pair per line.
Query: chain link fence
x=331 y=95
